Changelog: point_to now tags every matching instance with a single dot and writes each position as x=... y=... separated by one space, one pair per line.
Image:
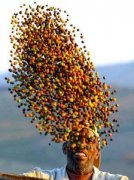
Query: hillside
x=22 y=148
x=121 y=74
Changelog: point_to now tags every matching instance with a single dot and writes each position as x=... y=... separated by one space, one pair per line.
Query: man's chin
x=80 y=167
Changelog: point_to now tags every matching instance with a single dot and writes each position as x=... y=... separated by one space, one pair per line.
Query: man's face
x=80 y=159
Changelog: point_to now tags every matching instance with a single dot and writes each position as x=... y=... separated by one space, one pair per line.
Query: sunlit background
x=108 y=29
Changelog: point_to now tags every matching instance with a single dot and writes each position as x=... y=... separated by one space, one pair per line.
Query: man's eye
x=89 y=147
x=90 y=139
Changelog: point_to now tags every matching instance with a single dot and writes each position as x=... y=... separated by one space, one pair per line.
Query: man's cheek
x=70 y=155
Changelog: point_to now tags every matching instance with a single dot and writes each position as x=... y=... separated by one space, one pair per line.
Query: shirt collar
x=94 y=177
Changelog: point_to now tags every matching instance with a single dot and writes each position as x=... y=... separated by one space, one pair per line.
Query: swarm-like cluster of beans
x=53 y=79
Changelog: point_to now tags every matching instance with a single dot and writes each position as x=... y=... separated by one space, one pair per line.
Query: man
x=83 y=162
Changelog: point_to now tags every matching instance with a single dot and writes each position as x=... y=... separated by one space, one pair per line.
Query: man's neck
x=73 y=176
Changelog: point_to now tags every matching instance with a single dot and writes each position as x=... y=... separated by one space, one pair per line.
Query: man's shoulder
x=60 y=173
x=101 y=175
x=47 y=174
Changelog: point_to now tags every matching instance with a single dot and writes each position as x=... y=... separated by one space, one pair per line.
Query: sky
x=107 y=26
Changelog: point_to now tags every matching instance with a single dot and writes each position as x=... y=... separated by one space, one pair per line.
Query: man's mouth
x=80 y=155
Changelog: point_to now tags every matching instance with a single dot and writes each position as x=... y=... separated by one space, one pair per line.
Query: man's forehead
x=88 y=132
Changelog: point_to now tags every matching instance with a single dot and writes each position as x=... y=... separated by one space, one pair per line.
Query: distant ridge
x=121 y=75
x=2 y=79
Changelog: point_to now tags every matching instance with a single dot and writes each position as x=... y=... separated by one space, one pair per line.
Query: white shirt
x=61 y=174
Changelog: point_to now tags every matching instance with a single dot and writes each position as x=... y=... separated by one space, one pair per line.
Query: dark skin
x=80 y=160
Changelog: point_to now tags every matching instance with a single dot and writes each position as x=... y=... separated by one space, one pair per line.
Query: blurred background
x=108 y=30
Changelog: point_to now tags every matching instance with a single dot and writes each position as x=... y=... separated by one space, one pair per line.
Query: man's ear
x=97 y=151
x=97 y=160
x=64 y=148
x=97 y=154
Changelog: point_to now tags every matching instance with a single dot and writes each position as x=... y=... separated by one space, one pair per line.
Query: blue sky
x=107 y=26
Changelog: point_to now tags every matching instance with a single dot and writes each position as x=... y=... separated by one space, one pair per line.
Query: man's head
x=85 y=155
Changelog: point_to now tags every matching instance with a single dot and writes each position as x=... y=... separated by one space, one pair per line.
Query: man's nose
x=82 y=140
x=82 y=143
